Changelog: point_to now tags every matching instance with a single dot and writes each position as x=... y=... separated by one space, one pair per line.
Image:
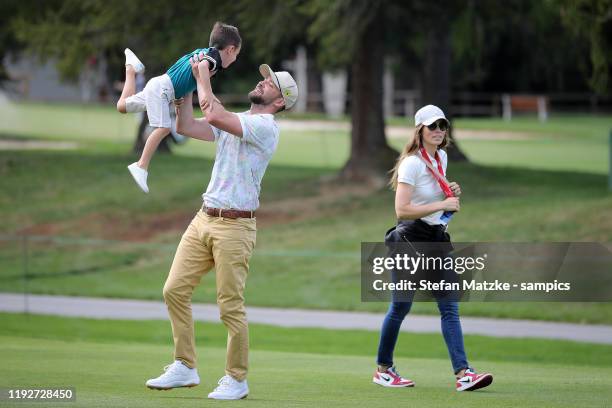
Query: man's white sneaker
x=132 y=59
x=175 y=375
x=140 y=176
x=230 y=389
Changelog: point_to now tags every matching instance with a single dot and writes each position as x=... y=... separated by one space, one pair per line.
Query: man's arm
x=214 y=112
x=187 y=125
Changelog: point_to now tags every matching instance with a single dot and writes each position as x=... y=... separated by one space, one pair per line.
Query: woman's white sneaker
x=230 y=389
x=472 y=381
x=391 y=378
x=175 y=375
x=134 y=61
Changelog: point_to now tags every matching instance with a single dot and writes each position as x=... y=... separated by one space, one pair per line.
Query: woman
x=424 y=202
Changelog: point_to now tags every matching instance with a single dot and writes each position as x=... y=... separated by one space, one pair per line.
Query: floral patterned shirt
x=240 y=163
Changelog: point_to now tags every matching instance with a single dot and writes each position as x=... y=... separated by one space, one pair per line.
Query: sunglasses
x=440 y=124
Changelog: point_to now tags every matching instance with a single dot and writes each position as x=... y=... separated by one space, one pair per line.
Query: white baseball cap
x=428 y=114
x=283 y=81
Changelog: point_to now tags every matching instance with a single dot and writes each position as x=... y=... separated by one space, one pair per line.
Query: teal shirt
x=181 y=76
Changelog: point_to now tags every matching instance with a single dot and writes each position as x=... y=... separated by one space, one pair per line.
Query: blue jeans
x=451 y=329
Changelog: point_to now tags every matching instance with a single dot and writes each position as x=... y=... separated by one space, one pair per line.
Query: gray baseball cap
x=283 y=81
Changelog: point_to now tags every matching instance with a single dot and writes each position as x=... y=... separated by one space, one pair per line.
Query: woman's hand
x=455 y=188
x=450 y=204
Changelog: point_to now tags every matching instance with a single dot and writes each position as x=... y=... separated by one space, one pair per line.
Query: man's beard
x=256 y=98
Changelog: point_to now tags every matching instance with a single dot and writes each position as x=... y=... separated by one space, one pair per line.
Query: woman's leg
x=453 y=335
x=390 y=331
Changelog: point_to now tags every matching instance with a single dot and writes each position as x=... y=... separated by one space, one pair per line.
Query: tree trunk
x=141 y=137
x=437 y=75
x=371 y=157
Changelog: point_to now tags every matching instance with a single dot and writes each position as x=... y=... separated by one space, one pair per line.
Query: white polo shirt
x=413 y=171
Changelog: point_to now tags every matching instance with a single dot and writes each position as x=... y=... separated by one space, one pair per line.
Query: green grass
x=108 y=361
x=566 y=142
x=86 y=194
x=310 y=263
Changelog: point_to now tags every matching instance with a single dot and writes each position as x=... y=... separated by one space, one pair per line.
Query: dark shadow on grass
x=71 y=272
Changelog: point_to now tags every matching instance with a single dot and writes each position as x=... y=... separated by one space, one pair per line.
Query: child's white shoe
x=132 y=59
x=140 y=176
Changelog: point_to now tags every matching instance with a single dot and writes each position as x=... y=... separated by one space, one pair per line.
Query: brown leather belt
x=233 y=214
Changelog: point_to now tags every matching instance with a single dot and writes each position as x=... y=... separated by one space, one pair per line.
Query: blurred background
x=526 y=85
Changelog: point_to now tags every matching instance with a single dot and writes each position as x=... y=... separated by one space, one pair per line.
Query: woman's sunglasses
x=441 y=124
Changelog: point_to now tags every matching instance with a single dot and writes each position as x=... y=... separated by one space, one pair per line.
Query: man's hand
x=455 y=188
x=177 y=105
x=207 y=103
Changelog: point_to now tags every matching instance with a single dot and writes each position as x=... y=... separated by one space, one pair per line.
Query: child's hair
x=223 y=35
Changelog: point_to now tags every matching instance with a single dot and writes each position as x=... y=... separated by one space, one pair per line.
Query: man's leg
x=193 y=259
x=233 y=245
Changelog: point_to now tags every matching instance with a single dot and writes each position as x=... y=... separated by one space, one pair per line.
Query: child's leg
x=151 y=145
x=129 y=88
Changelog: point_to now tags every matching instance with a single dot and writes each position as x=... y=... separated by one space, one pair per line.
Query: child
x=157 y=96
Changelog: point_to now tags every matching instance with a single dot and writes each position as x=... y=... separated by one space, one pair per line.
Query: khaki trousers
x=225 y=244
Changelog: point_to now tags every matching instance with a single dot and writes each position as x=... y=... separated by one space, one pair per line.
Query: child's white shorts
x=156 y=98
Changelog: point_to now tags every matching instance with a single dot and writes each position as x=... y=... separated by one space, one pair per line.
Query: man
x=222 y=234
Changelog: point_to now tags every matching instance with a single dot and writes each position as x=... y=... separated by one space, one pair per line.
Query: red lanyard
x=438 y=176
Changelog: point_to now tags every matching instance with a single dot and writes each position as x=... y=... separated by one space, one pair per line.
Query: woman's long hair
x=412 y=147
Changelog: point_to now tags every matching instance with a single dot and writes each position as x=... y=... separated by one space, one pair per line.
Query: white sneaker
x=132 y=59
x=230 y=389
x=140 y=176
x=175 y=375
x=472 y=381
x=391 y=378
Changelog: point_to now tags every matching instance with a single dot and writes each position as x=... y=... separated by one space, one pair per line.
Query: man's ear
x=279 y=103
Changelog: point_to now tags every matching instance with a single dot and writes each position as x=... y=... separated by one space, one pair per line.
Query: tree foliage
x=592 y=19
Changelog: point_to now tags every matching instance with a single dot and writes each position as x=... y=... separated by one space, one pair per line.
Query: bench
x=524 y=103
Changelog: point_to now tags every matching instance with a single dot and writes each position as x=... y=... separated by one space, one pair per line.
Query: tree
x=437 y=62
x=592 y=19
x=10 y=10
x=354 y=35
x=370 y=154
